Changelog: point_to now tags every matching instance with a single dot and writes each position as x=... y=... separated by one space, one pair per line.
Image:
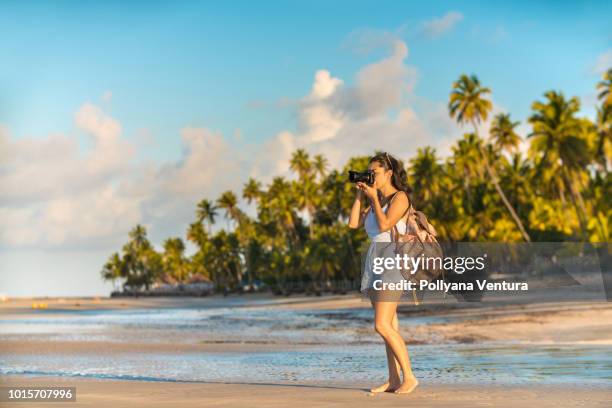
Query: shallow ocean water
x=340 y=348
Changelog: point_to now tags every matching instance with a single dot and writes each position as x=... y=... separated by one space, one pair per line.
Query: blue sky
x=203 y=63
x=153 y=93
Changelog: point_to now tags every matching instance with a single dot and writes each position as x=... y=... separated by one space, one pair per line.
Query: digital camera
x=363 y=176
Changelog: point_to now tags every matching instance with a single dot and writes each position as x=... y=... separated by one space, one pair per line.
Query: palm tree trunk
x=578 y=203
x=466 y=185
x=584 y=188
x=515 y=216
x=249 y=264
x=311 y=223
x=493 y=176
x=562 y=197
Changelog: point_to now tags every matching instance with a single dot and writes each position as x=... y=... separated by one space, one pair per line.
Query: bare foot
x=407 y=386
x=386 y=387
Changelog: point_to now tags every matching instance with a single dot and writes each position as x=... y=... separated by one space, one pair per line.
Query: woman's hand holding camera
x=366 y=190
x=361 y=197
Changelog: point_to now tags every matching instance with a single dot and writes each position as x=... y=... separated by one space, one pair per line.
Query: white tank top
x=371 y=226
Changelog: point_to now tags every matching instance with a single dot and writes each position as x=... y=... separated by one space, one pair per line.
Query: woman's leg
x=385 y=310
x=394 y=368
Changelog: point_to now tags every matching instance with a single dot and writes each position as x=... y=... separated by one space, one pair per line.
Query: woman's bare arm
x=396 y=211
x=357 y=214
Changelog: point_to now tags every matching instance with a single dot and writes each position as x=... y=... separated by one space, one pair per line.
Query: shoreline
x=568 y=322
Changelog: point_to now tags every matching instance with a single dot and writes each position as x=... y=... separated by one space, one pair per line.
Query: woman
x=388 y=206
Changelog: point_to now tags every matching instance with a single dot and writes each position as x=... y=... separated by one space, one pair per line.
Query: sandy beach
x=552 y=323
x=119 y=394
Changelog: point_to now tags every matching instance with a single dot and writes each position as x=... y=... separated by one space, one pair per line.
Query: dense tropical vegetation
x=486 y=190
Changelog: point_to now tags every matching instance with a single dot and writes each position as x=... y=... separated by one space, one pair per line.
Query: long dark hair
x=399 y=179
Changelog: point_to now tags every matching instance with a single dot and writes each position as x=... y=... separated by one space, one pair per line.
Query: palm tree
x=424 y=174
x=467 y=101
x=224 y=260
x=173 y=258
x=603 y=145
x=467 y=104
x=465 y=160
x=320 y=164
x=281 y=201
x=603 y=148
x=143 y=263
x=556 y=144
x=206 y=212
x=138 y=236
x=229 y=203
x=306 y=187
x=251 y=190
x=503 y=134
x=300 y=163
x=308 y=197
x=114 y=268
x=197 y=234
x=323 y=256
x=465 y=168
x=605 y=88
x=517 y=177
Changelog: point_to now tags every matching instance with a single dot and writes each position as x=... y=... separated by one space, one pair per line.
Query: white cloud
x=99 y=214
x=382 y=85
x=436 y=27
x=57 y=195
x=208 y=161
x=340 y=120
x=603 y=62
x=333 y=117
x=315 y=115
x=324 y=85
x=111 y=153
x=364 y=40
x=33 y=168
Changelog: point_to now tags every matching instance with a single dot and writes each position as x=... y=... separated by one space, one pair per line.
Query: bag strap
x=395 y=236
x=369 y=209
x=394 y=231
x=409 y=201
